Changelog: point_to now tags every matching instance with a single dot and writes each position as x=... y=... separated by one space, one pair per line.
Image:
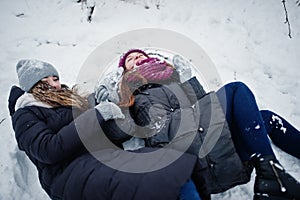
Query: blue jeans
x=282 y=133
x=189 y=191
x=250 y=127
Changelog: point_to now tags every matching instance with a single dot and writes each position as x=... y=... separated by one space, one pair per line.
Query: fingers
x=101 y=94
x=104 y=96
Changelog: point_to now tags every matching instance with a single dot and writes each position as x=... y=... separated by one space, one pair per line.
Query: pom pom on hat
x=31 y=71
x=124 y=56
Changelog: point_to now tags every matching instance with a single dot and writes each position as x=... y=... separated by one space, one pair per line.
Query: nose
x=136 y=59
x=138 y=56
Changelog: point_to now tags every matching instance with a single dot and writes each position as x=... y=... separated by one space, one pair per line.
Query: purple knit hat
x=124 y=56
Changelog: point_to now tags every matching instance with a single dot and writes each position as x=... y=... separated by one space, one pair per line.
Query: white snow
x=247 y=41
x=280 y=123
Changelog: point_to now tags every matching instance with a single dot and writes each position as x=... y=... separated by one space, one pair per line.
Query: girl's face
x=132 y=59
x=53 y=81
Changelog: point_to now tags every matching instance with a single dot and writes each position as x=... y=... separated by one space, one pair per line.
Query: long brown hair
x=126 y=89
x=59 y=97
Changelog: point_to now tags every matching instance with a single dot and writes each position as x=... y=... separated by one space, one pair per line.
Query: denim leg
x=245 y=121
x=282 y=133
x=189 y=191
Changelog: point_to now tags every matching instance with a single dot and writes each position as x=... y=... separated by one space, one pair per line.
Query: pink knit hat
x=124 y=56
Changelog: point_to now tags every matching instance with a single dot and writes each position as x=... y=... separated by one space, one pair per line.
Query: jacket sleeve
x=193 y=89
x=41 y=143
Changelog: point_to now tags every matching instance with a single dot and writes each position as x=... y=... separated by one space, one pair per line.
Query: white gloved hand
x=107 y=89
x=109 y=110
x=133 y=144
x=183 y=67
x=101 y=94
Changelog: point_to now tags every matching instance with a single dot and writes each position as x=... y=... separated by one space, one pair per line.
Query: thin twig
x=2 y=120
x=158 y=4
x=27 y=4
x=91 y=11
x=146 y=4
x=287 y=19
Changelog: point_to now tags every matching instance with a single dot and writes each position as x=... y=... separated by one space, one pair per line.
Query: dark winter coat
x=184 y=117
x=51 y=139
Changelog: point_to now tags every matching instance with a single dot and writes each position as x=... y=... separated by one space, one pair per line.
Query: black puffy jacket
x=52 y=140
x=184 y=117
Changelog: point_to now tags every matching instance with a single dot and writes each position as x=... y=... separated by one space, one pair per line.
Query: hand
x=101 y=94
x=107 y=89
x=109 y=110
x=183 y=68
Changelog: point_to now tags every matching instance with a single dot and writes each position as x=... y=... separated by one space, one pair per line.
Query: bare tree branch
x=90 y=12
x=287 y=19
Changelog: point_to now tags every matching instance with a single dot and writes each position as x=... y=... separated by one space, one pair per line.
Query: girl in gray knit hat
x=30 y=71
x=40 y=81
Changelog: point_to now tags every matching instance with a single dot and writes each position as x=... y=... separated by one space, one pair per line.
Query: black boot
x=272 y=182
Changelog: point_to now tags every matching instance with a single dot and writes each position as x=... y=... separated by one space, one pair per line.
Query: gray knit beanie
x=31 y=71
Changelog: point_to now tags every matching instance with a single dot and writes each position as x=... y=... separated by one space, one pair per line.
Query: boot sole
x=261 y=197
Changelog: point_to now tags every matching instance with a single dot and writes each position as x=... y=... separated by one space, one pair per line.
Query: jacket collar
x=28 y=99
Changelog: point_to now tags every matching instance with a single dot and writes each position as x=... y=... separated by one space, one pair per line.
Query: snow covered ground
x=247 y=41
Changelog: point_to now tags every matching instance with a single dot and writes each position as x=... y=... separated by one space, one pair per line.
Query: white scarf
x=28 y=99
